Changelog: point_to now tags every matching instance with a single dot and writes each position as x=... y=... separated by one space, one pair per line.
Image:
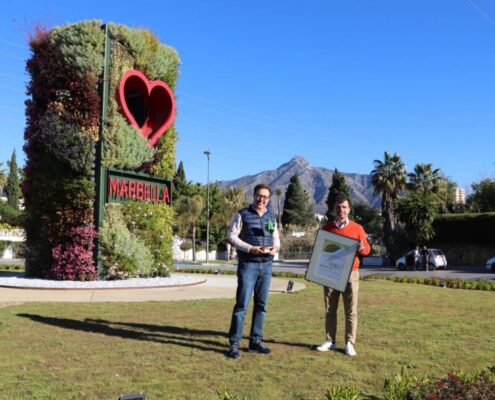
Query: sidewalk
x=215 y=287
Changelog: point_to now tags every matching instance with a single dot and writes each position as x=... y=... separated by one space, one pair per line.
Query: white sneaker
x=328 y=345
x=349 y=349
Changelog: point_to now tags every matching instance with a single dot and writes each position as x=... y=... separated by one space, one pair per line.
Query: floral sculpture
x=64 y=127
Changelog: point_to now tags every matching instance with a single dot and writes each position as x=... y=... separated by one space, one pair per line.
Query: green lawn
x=176 y=350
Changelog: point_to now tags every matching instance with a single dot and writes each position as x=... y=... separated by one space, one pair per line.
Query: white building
x=460 y=196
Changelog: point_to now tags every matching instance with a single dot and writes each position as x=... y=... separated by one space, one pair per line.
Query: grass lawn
x=176 y=350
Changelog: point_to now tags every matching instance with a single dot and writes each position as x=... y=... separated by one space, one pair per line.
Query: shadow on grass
x=190 y=338
x=180 y=336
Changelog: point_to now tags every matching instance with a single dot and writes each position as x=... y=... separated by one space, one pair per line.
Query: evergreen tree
x=297 y=210
x=12 y=188
x=180 y=174
x=3 y=178
x=180 y=182
x=338 y=187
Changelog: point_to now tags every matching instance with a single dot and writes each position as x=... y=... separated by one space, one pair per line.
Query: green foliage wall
x=63 y=128
x=465 y=228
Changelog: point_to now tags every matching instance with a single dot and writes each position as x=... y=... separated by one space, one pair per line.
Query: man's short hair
x=262 y=186
x=340 y=198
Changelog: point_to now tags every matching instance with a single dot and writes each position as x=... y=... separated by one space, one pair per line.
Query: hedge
x=465 y=228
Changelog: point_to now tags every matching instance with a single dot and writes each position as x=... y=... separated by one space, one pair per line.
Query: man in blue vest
x=253 y=232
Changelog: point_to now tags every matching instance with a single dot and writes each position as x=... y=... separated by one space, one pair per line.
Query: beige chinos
x=350 y=299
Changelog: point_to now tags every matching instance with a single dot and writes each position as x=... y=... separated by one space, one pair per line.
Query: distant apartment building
x=460 y=197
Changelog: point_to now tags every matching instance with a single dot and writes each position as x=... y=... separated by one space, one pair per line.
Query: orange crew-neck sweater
x=352 y=230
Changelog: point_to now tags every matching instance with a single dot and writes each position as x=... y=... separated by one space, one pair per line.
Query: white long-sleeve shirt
x=235 y=230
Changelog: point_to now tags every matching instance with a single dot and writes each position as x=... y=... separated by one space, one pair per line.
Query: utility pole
x=207 y=153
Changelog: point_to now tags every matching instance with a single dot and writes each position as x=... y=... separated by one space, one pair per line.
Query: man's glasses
x=260 y=196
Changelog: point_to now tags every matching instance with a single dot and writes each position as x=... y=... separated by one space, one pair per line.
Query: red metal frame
x=159 y=98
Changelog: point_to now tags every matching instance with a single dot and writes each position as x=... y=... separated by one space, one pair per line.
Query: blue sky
x=338 y=82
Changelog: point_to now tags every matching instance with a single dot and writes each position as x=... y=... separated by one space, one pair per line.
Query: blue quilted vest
x=254 y=231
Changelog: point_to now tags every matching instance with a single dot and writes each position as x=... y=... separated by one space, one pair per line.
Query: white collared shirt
x=342 y=225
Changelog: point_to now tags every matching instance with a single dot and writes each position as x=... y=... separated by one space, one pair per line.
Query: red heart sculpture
x=148 y=105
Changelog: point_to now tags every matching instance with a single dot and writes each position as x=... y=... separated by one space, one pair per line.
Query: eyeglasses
x=260 y=196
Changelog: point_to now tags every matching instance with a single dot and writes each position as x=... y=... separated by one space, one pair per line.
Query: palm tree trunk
x=194 y=242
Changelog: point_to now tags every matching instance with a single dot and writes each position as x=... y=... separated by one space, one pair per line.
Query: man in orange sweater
x=341 y=225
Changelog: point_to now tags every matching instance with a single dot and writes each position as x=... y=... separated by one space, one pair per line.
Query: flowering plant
x=73 y=259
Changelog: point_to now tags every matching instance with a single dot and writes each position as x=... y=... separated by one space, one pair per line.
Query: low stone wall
x=12 y=235
x=465 y=255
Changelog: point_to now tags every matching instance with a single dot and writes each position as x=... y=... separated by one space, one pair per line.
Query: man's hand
x=256 y=250
x=361 y=247
x=263 y=250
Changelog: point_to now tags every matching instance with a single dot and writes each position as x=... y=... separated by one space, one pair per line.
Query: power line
x=11 y=109
x=274 y=119
x=13 y=77
x=12 y=120
x=14 y=44
x=13 y=89
x=477 y=7
x=12 y=56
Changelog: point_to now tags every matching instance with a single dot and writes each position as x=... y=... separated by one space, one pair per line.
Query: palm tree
x=424 y=178
x=189 y=210
x=428 y=180
x=416 y=211
x=234 y=199
x=389 y=180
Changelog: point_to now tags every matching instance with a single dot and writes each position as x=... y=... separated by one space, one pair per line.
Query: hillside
x=315 y=180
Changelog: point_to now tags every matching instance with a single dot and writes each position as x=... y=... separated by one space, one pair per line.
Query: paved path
x=215 y=287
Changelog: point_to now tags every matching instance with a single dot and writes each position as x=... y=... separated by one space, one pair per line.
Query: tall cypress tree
x=297 y=210
x=180 y=182
x=12 y=188
x=338 y=187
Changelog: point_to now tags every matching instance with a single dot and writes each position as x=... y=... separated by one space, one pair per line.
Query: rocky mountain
x=315 y=180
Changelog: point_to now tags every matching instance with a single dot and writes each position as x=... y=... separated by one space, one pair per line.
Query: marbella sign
x=124 y=186
x=149 y=106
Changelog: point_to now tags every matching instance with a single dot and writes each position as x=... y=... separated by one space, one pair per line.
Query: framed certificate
x=331 y=260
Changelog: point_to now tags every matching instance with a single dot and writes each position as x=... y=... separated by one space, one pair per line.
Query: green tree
x=297 y=210
x=417 y=210
x=389 y=180
x=369 y=218
x=3 y=178
x=278 y=193
x=425 y=179
x=189 y=210
x=483 y=197
x=180 y=181
x=233 y=200
x=12 y=187
x=338 y=187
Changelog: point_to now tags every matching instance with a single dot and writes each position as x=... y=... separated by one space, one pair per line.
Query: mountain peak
x=299 y=160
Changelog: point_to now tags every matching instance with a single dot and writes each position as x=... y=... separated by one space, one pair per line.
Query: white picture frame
x=331 y=260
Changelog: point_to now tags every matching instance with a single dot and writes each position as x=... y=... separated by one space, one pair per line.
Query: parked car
x=436 y=260
x=490 y=264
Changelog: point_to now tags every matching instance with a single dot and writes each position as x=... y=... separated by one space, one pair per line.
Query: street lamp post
x=207 y=153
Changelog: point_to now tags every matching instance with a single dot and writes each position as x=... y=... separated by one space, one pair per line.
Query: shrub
x=343 y=393
x=152 y=224
x=125 y=148
x=457 y=386
x=74 y=259
x=9 y=215
x=124 y=255
x=398 y=387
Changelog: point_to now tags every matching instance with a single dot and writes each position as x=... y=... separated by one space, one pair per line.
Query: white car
x=436 y=260
x=490 y=264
